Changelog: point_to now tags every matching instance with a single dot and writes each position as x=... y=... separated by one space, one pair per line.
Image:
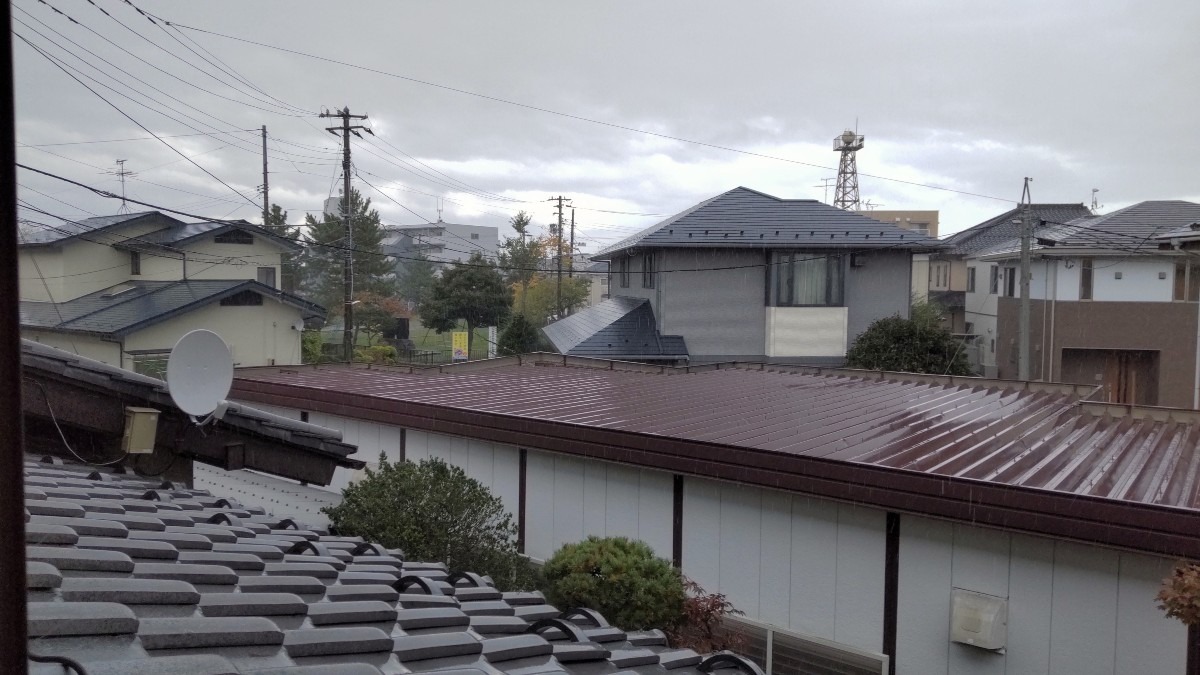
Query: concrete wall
x=877 y=289
x=256 y=335
x=1071 y=608
x=800 y=332
x=720 y=313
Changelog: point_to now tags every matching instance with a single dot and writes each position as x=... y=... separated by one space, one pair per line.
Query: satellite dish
x=200 y=373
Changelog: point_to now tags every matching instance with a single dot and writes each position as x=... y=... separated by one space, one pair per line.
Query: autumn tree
x=540 y=299
x=321 y=277
x=376 y=314
x=519 y=257
x=473 y=291
x=415 y=278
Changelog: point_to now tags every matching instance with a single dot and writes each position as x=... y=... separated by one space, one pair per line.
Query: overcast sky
x=968 y=96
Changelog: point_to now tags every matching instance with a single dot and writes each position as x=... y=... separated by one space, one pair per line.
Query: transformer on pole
x=845 y=195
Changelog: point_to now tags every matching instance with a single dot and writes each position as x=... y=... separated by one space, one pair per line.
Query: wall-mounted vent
x=978 y=620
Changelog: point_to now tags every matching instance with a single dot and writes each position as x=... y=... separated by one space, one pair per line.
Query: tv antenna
x=1096 y=205
x=121 y=173
x=825 y=184
x=845 y=195
x=199 y=375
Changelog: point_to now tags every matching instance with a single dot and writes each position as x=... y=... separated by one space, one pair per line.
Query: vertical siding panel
x=701 y=532
x=539 y=505
x=923 y=607
x=480 y=463
x=506 y=476
x=417 y=445
x=595 y=487
x=740 y=546
x=459 y=452
x=861 y=545
x=1084 y=615
x=1030 y=599
x=389 y=440
x=656 y=503
x=568 y=502
x=814 y=566
x=775 y=575
x=621 y=502
x=439 y=447
x=1148 y=643
x=981 y=564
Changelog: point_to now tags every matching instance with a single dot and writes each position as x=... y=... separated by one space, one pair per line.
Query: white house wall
x=809 y=565
x=1072 y=608
x=1139 y=280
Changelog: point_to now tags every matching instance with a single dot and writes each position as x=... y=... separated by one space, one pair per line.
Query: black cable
x=123 y=140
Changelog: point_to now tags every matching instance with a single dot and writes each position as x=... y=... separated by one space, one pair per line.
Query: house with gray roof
x=966 y=287
x=1114 y=302
x=748 y=276
x=123 y=289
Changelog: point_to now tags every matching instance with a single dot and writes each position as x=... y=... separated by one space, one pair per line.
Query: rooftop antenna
x=825 y=184
x=121 y=174
x=1096 y=205
x=439 y=208
x=199 y=375
x=871 y=206
x=845 y=195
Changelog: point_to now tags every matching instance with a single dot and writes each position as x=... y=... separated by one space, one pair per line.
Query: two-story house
x=966 y=287
x=747 y=276
x=123 y=289
x=1114 y=303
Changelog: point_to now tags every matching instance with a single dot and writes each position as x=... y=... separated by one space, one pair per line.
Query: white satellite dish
x=200 y=373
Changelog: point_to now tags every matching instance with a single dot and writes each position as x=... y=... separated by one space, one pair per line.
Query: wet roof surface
x=129 y=576
x=993 y=432
x=617 y=328
x=745 y=218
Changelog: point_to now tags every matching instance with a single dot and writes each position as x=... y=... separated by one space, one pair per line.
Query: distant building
x=441 y=241
x=123 y=290
x=748 y=276
x=921 y=222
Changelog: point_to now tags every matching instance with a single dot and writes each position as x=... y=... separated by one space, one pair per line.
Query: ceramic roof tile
x=130 y=591
x=62 y=619
x=72 y=559
x=252 y=604
x=187 y=664
x=41 y=575
x=208 y=632
x=436 y=646
x=343 y=640
x=192 y=573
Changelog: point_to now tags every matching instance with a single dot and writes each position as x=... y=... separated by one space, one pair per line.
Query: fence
x=781 y=652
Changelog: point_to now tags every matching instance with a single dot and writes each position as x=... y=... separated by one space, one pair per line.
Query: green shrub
x=618 y=577
x=382 y=354
x=433 y=511
x=518 y=337
x=312 y=346
x=916 y=345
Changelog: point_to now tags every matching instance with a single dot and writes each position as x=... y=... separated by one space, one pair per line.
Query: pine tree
x=321 y=277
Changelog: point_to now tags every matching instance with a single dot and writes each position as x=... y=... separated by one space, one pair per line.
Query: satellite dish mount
x=199 y=375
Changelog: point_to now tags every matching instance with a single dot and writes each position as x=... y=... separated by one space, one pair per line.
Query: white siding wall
x=1072 y=608
x=568 y=499
x=810 y=565
x=980 y=311
x=1139 y=280
x=496 y=465
x=806 y=331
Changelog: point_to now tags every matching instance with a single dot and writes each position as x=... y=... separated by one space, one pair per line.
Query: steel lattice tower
x=845 y=195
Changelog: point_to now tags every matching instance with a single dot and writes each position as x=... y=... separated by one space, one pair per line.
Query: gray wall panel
x=880 y=288
x=716 y=311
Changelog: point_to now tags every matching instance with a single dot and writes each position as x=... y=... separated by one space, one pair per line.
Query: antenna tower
x=121 y=174
x=845 y=195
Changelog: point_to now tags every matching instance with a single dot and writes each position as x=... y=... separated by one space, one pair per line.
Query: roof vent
x=117 y=290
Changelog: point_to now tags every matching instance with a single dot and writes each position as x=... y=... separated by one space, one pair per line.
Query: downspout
x=1196 y=368
x=1053 y=307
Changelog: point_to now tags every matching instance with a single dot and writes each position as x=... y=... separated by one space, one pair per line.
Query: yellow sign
x=459 y=342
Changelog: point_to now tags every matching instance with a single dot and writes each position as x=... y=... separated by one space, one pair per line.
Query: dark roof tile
x=497 y=650
x=381 y=592
x=41 y=576
x=300 y=585
x=130 y=591
x=48 y=534
x=344 y=640
x=65 y=619
x=617 y=328
x=208 y=632
x=133 y=548
x=357 y=611
x=217 y=575
x=181 y=541
x=252 y=604
x=78 y=560
x=436 y=646
x=412 y=619
x=187 y=664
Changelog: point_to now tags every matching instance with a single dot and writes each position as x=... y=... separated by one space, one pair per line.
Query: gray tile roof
x=123 y=608
x=1001 y=229
x=132 y=306
x=745 y=218
x=181 y=233
x=1137 y=229
x=618 y=328
x=71 y=229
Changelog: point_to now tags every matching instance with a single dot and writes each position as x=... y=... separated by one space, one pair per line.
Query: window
x=994 y=279
x=234 y=237
x=969 y=329
x=993 y=345
x=648 y=269
x=1085 y=279
x=135 y=263
x=243 y=299
x=970 y=281
x=1187 y=275
x=266 y=275
x=1010 y=282
x=603 y=281
x=623 y=270
x=803 y=279
x=474 y=235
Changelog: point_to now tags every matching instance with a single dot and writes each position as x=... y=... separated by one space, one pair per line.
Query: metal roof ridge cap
x=1139 y=412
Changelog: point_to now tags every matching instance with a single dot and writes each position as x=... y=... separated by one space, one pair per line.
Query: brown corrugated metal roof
x=976 y=432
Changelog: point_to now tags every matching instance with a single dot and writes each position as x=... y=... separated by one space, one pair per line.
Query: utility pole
x=1023 y=327
x=266 y=187
x=348 y=239
x=558 y=309
x=571 y=266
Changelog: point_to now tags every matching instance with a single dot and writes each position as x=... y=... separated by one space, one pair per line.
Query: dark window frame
x=970 y=279
x=272 y=274
x=239 y=237
x=623 y=271
x=1087 y=279
x=243 y=299
x=781 y=278
x=994 y=280
x=135 y=263
x=648 y=270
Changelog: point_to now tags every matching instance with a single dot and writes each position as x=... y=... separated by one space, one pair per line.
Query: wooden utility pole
x=266 y=186
x=348 y=238
x=558 y=308
x=1023 y=325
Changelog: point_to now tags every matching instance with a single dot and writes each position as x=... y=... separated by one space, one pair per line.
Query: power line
x=125 y=140
x=572 y=116
x=131 y=119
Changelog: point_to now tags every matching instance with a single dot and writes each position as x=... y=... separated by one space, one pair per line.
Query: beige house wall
x=257 y=336
x=86 y=346
x=909 y=220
